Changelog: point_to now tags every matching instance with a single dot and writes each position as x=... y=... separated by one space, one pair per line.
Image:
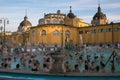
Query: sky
x=15 y=10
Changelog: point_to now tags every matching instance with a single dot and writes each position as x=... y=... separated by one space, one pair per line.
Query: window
x=100 y=30
x=56 y=33
x=116 y=29
x=55 y=21
x=61 y=22
x=33 y=33
x=14 y=38
x=20 y=37
x=48 y=21
x=80 y=32
x=67 y=33
x=43 y=33
x=108 y=30
x=42 y=22
x=94 y=31
x=87 y=31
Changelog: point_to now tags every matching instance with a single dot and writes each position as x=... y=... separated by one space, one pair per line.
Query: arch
x=67 y=33
x=43 y=33
x=61 y=22
x=48 y=21
x=55 y=21
x=33 y=33
x=56 y=32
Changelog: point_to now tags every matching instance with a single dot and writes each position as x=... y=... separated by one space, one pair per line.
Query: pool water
x=74 y=60
x=38 y=77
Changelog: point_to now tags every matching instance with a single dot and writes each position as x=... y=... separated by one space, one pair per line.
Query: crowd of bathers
x=85 y=60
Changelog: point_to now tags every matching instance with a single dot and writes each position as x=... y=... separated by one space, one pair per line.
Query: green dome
x=70 y=14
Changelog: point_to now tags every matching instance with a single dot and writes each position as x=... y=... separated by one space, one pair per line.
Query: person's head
x=29 y=61
x=5 y=65
x=17 y=66
x=32 y=56
x=86 y=61
x=67 y=62
x=97 y=68
x=86 y=67
x=76 y=66
x=2 y=64
x=9 y=59
x=37 y=61
x=44 y=65
x=48 y=60
x=5 y=59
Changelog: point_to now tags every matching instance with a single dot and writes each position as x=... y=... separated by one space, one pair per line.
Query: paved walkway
x=11 y=79
x=70 y=74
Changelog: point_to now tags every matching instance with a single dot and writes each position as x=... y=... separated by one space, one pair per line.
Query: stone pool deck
x=11 y=79
x=71 y=74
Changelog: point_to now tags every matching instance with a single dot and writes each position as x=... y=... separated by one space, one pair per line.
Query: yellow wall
x=17 y=39
x=51 y=39
x=101 y=37
x=75 y=32
x=76 y=22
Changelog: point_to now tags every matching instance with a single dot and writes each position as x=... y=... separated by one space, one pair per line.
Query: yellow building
x=53 y=34
x=102 y=34
x=53 y=29
x=61 y=29
x=57 y=29
x=72 y=20
x=21 y=36
x=99 y=18
x=60 y=18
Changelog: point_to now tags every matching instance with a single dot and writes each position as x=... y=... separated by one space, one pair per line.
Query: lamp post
x=88 y=37
x=62 y=38
x=112 y=34
x=42 y=35
x=4 y=21
x=1 y=33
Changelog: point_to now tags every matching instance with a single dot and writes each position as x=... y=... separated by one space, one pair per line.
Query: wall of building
x=50 y=38
x=89 y=35
x=76 y=22
x=17 y=39
x=108 y=33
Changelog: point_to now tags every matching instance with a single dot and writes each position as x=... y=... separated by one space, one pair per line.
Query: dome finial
x=70 y=9
x=98 y=2
x=25 y=12
x=99 y=8
x=70 y=14
x=25 y=18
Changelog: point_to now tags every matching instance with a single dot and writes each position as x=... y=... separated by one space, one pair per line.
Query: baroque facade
x=53 y=29
x=61 y=29
x=59 y=18
x=101 y=34
x=52 y=18
x=21 y=36
x=57 y=29
x=99 y=18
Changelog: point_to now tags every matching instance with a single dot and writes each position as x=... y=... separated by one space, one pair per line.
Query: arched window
x=56 y=33
x=48 y=21
x=43 y=33
x=67 y=33
x=33 y=33
x=55 y=21
x=61 y=22
x=100 y=30
x=20 y=37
